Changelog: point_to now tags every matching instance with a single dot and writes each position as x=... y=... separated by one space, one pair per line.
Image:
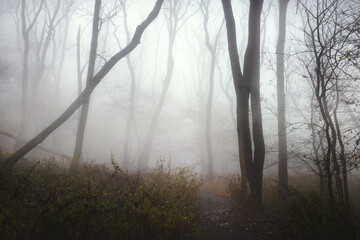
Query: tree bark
x=252 y=74
x=342 y=151
x=85 y=107
x=88 y=89
x=45 y=149
x=282 y=170
x=251 y=165
x=242 y=91
x=316 y=147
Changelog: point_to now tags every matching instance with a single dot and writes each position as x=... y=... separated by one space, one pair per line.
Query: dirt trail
x=218 y=224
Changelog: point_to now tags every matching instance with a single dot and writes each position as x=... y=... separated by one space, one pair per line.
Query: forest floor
x=218 y=221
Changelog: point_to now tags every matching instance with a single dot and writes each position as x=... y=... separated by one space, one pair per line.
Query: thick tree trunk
x=242 y=92
x=251 y=166
x=282 y=171
x=85 y=108
x=45 y=149
x=252 y=75
x=88 y=89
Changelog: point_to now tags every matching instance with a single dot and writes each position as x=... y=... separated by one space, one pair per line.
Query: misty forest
x=179 y=119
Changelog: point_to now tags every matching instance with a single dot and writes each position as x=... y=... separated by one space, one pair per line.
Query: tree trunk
x=88 y=89
x=148 y=141
x=252 y=74
x=332 y=145
x=251 y=166
x=24 y=89
x=78 y=62
x=45 y=149
x=320 y=90
x=25 y=31
x=146 y=151
x=130 y=119
x=85 y=108
x=43 y=46
x=342 y=152
x=316 y=150
x=79 y=75
x=242 y=91
x=282 y=171
x=57 y=137
x=209 y=152
x=131 y=116
x=212 y=50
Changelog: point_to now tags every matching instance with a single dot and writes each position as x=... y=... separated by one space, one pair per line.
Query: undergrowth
x=306 y=215
x=44 y=202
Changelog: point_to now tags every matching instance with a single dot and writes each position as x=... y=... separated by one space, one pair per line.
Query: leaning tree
x=10 y=161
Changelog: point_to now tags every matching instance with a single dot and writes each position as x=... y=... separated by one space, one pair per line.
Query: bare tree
x=328 y=30
x=89 y=78
x=26 y=27
x=246 y=86
x=212 y=48
x=131 y=116
x=88 y=89
x=283 y=173
x=39 y=21
x=59 y=47
x=51 y=21
x=177 y=11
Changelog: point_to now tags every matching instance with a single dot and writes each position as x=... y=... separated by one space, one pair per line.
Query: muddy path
x=218 y=222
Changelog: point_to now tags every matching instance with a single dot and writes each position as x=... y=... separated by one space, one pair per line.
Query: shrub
x=305 y=215
x=39 y=202
x=310 y=216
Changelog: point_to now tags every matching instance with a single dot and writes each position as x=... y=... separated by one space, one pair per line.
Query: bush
x=39 y=202
x=310 y=216
x=305 y=215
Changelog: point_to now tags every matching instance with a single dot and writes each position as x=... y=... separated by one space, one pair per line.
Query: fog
x=179 y=135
